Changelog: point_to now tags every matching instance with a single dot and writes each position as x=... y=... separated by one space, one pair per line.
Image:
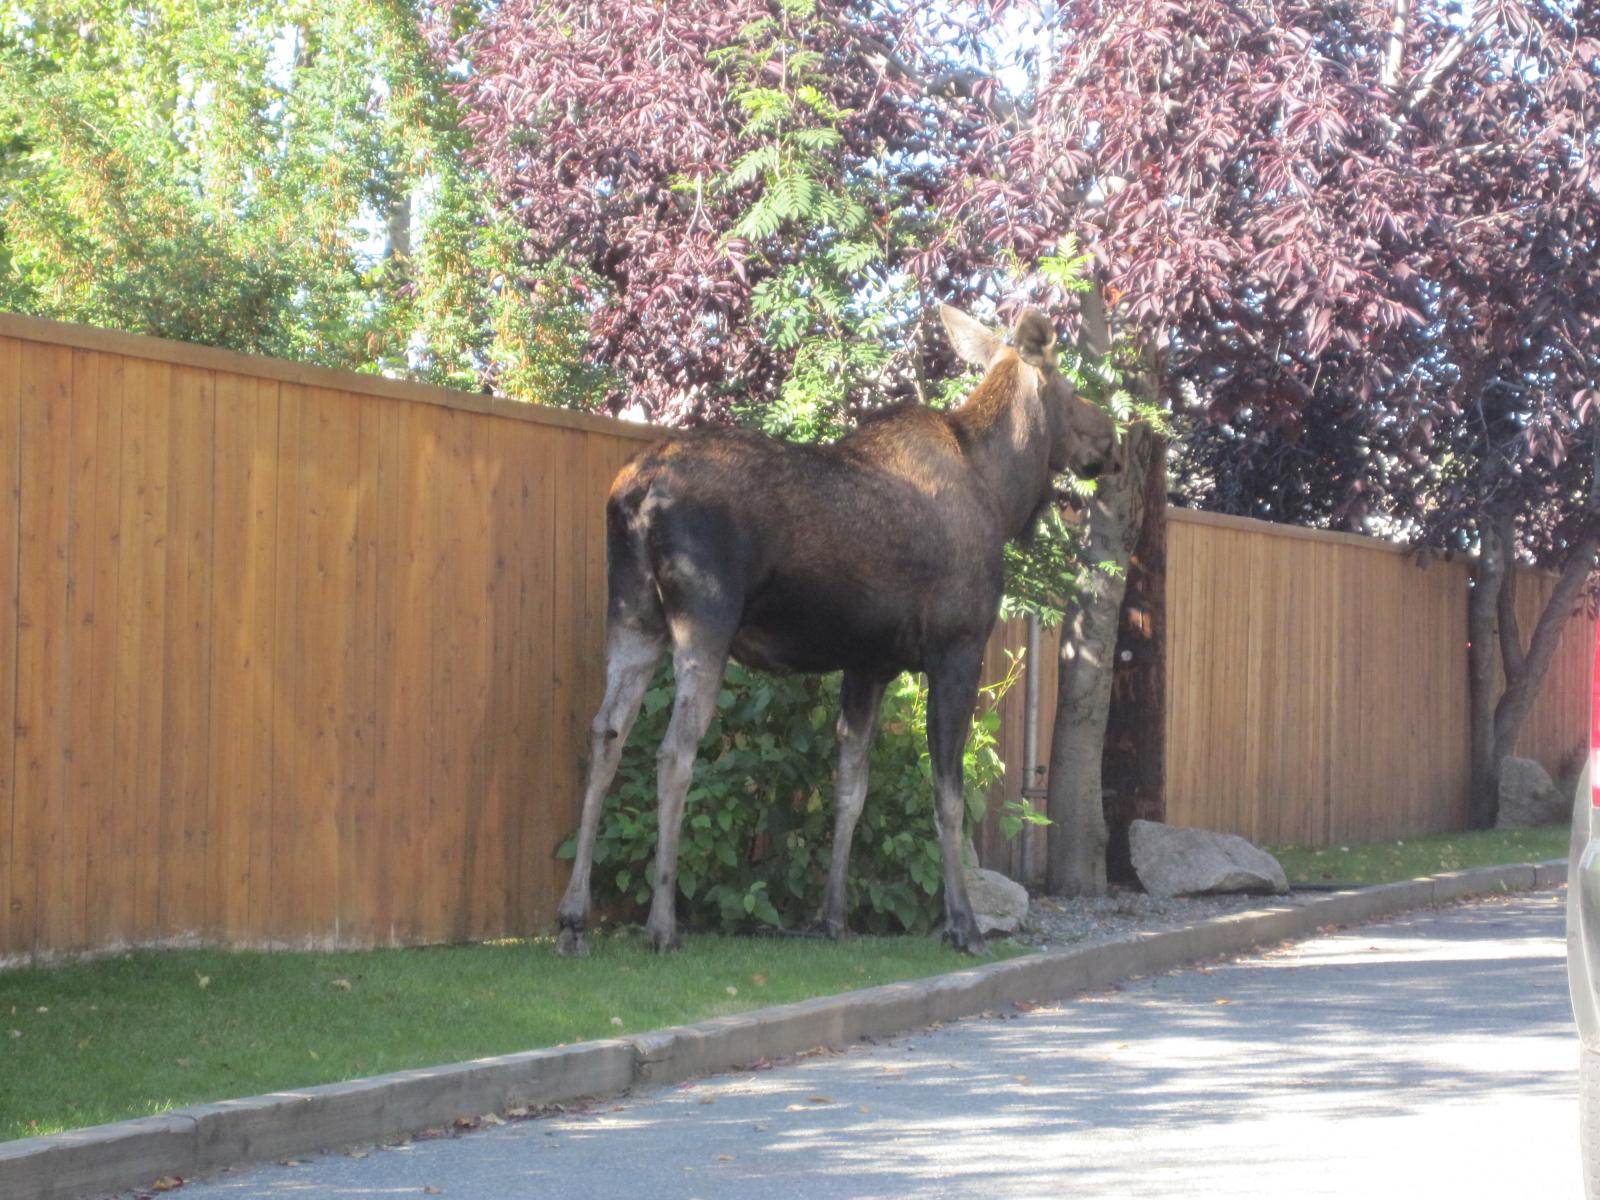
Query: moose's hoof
x=661 y=940
x=572 y=943
x=964 y=936
x=832 y=930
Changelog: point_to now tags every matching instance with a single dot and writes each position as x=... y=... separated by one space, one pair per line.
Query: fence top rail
x=1195 y=516
x=210 y=358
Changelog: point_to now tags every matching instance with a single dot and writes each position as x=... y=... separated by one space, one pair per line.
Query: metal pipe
x=1030 y=738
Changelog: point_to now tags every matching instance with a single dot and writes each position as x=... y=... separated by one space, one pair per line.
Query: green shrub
x=758 y=820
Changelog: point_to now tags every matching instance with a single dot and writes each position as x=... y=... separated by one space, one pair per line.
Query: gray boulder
x=1171 y=861
x=1528 y=798
x=1000 y=904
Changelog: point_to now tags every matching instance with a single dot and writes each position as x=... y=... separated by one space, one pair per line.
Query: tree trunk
x=1491 y=620
x=1525 y=667
x=1074 y=804
x=1134 y=762
x=1483 y=603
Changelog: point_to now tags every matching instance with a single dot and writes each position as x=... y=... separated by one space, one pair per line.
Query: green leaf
x=851 y=257
x=818 y=140
x=750 y=167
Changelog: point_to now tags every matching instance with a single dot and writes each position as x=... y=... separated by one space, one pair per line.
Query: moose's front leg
x=697 y=663
x=952 y=696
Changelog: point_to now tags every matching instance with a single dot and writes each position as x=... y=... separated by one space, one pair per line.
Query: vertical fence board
x=543 y=879
x=361 y=864
x=186 y=640
x=566 y=583
x=67 y=902
x=293 y=876
x=242 y=639
x=101 y=783
x=321 y=428
x=11 y=814
x=44 y=391
x=405 y=664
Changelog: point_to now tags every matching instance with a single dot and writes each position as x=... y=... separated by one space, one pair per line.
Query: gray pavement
x=1430 y=1055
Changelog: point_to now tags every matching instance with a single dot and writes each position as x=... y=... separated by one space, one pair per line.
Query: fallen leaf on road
x=429 y=1190
x=819 y=1100
x=724 y=1158
x=166 y=1183
x=708 y=1099
x=1224 y=1001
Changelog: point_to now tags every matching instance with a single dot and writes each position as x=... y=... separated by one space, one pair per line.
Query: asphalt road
x=1432 y=1055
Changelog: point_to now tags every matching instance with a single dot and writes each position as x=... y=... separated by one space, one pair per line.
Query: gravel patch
x=1055 y=921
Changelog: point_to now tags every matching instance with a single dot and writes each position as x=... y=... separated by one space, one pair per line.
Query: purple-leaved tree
x=1384 y=207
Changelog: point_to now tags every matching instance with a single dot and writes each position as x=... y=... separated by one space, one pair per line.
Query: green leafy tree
x=271 y=177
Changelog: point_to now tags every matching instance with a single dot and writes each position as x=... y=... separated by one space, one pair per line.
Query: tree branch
x=1394 y=54
x=1422 y=87
x=1517 y=700
x=1094 y=337
x=948 y=83
x=1511 y=653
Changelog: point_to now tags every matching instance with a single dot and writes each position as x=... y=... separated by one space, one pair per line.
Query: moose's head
x=1082 y=436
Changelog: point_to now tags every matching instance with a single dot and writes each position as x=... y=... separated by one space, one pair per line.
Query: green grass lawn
x=1390 y=862
x=141 y=1033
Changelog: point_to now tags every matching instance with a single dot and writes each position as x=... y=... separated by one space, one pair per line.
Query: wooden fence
x=1316 y=689
x=1317 y=684
x=296 y=656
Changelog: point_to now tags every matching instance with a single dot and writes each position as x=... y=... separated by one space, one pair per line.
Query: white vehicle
x=1583 y=942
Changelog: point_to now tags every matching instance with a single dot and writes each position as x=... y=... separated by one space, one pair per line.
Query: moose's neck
x=1006 y=438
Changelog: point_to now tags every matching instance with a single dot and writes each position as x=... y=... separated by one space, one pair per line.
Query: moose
x=875 y=554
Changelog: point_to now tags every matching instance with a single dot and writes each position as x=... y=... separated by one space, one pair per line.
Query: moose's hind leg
x=632 y=650
x=859 y=702
x=636 y=632
x=699 y=655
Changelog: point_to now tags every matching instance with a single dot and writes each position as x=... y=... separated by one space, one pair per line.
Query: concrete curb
x=206 y=1137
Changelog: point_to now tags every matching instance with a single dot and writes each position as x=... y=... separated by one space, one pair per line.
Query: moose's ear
x=973 y=342
x=1034 y=337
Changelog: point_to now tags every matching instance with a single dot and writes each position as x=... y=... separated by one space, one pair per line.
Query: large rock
x=1000 y=904
x=1194 y=862
x=1528 y=798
